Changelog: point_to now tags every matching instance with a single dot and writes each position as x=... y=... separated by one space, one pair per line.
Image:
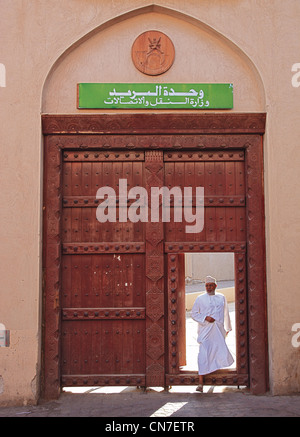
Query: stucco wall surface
x=46 y=46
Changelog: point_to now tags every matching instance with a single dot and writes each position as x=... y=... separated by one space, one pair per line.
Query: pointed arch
x=172 y=13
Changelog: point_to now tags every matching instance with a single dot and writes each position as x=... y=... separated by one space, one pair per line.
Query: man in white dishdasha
x=210 y=310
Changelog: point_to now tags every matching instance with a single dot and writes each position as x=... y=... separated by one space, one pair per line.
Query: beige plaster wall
x=218 y=265
x=258 y=42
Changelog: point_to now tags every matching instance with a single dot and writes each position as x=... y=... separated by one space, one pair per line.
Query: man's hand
x=210 y=319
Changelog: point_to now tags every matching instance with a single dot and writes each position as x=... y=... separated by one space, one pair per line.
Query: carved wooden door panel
x=103 y=275
x=222 y=174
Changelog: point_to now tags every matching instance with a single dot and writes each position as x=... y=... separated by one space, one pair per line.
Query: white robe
x=213 y=351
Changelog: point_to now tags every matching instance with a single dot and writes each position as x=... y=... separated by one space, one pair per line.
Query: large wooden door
x=103 y=274
x=113 y=292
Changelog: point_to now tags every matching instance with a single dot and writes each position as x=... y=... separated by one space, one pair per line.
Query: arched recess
x=202 y=63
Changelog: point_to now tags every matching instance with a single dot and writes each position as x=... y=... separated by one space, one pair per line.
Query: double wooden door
x=114 y=294
x=112 y=320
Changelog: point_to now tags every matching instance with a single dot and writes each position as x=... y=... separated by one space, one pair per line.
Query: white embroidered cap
x=210 y=279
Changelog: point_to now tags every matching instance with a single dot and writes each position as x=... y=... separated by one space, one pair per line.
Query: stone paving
x=126 y=402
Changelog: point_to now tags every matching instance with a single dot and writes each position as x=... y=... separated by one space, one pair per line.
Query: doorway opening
x=221 y=267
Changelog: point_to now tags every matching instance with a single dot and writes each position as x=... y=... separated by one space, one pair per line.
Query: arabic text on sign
x=163 y=97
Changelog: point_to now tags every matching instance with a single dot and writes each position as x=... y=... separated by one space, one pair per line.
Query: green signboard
x=155 y=96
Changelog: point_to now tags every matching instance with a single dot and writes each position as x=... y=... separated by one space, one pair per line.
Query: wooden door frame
x=154 y=132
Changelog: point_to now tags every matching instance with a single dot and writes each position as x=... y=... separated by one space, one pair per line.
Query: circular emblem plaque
x=153 y=53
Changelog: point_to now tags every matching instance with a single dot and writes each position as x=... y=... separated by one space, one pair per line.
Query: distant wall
x=218 y=265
